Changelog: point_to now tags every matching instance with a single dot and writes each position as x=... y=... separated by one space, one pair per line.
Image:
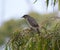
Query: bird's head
x=25 y=16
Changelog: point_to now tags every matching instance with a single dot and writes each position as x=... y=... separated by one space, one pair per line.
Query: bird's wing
x=32 y=22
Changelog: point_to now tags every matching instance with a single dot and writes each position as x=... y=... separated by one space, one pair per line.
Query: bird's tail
x=38 y=31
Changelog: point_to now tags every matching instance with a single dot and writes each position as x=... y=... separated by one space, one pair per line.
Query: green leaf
x=6 y=48
x=59 y=4
x=54 y=2
x=35 y=1
x=47 y=2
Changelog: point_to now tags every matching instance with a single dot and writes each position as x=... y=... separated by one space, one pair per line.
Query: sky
x=16 y=8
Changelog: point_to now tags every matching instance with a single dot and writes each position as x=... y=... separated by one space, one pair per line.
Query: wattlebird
x=32 y=22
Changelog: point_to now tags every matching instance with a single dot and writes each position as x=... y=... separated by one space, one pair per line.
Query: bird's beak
x=22 y=17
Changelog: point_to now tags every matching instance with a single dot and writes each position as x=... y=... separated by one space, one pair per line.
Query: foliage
x=35 y=1
x=47 y=2
x=27 y=39
x=59 y=4
x=10 y=26
x=52 y=1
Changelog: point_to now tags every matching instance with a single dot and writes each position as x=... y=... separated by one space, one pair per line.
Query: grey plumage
x=32 y=22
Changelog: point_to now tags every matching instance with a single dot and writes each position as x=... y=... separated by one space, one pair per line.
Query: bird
x=32 y=22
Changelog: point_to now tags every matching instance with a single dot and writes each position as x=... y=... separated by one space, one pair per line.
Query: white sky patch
x=17 y=8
